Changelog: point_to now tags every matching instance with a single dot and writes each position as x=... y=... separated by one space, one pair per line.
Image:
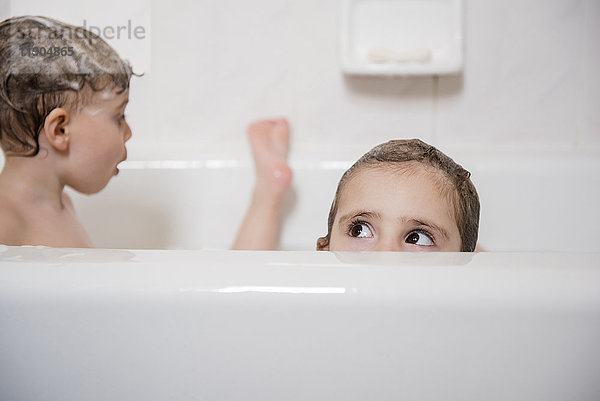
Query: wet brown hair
x=32 y=86
x=453 y=181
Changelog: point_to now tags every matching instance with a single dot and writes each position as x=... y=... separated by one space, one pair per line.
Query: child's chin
x=89 y=189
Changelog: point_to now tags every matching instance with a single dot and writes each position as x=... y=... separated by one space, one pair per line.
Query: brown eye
x=360 y=230
x=419 y=238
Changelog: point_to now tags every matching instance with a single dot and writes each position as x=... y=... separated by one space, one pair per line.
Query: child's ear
x=322 y=244
x=55 y=129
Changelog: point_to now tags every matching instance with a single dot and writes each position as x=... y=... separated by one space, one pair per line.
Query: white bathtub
x=225 y=325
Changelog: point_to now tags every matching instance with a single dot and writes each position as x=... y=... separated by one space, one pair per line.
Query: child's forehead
x=112 y=95
x=405 y=173
x=392 y=191
x=107 y=98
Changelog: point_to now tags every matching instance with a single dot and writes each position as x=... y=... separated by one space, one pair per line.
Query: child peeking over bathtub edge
x=402 y=195
x=62 y=124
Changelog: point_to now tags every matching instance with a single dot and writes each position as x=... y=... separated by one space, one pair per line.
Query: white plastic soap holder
x=402 y=37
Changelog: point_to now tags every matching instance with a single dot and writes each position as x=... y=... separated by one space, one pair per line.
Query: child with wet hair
x=63 y=92
x=402 y=195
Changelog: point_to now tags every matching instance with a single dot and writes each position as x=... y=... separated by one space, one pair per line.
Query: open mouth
x=122 y=160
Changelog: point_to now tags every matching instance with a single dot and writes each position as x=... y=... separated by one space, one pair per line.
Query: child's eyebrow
x=429 y=224
x=360 y=213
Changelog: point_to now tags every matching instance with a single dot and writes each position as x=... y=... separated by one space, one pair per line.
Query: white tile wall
x=522 y=75
x=529 y=76
x=5 y=9
x=589 y=123
x=216 y=65
x=333 y=109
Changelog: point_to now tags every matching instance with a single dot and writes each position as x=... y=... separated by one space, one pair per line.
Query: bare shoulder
x=12 y=224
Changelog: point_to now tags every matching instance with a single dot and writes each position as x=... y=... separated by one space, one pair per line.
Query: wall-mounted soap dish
x=402 y=37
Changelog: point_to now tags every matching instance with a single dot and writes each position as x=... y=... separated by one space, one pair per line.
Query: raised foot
x=269 y=140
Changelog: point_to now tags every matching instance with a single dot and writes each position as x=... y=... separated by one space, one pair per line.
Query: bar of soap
x=385 y=55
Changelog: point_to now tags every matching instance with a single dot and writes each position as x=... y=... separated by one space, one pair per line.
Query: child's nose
x=127 y=133
x=387 y=245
